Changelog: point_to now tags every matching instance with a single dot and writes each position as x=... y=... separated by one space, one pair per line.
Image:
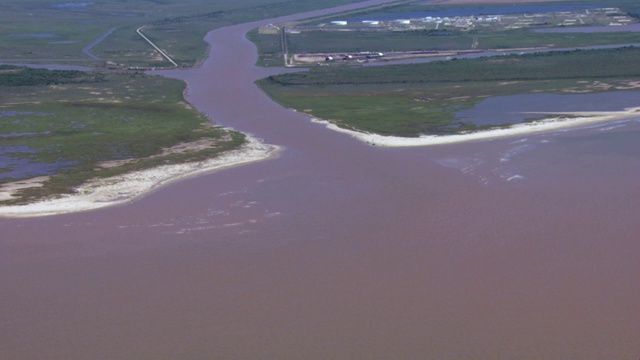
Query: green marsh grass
x=410 y=100
x=386 y=41
x=37 y=31
x=124 y=116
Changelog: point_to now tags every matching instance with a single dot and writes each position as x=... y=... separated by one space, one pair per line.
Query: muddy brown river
x=518 y=248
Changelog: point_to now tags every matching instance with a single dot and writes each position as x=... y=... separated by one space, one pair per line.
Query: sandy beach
x=121 y=189
x=117 y=190
x=559 y=121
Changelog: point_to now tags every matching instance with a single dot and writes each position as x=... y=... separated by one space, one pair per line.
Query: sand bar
x=117 y=190
x=560 y=121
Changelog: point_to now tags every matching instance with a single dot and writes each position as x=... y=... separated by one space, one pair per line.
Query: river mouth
x=524 y=245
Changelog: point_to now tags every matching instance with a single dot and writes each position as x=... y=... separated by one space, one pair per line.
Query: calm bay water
x=523 y=247
x=514 y=109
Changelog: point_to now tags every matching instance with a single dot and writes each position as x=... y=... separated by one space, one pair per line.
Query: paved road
x=87 y=49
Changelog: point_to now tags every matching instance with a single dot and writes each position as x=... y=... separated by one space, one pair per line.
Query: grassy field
x=57 y=32
x=410 y=100
x=270 y=53
x=67 y=124
x=341 y=42
x=269 y=48
x=320 y=36
x=70 y=127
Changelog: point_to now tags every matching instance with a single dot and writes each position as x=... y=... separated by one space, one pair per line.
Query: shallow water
x=513 y=109
x=21 y=168
x=522 y=247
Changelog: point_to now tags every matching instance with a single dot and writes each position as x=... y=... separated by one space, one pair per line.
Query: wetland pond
x=515 y=109
x=21 y=161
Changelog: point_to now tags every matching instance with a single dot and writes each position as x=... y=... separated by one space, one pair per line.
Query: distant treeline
x=588 y=64
x=33 y=77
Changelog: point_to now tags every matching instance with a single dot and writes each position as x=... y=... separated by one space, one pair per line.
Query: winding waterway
x=523 y=247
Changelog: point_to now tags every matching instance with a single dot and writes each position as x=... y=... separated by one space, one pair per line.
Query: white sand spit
x=117 y=190
x=561 y=121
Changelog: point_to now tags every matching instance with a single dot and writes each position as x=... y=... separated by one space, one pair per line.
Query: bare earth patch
x=8 y=190
x=600 y=86
x=182 y=148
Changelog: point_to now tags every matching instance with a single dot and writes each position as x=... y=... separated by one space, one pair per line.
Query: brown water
x=522 y=248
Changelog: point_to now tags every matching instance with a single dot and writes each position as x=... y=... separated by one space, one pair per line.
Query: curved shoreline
x=100 y=193
x=117 y=190
x=555 y=123
x=129 y=187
